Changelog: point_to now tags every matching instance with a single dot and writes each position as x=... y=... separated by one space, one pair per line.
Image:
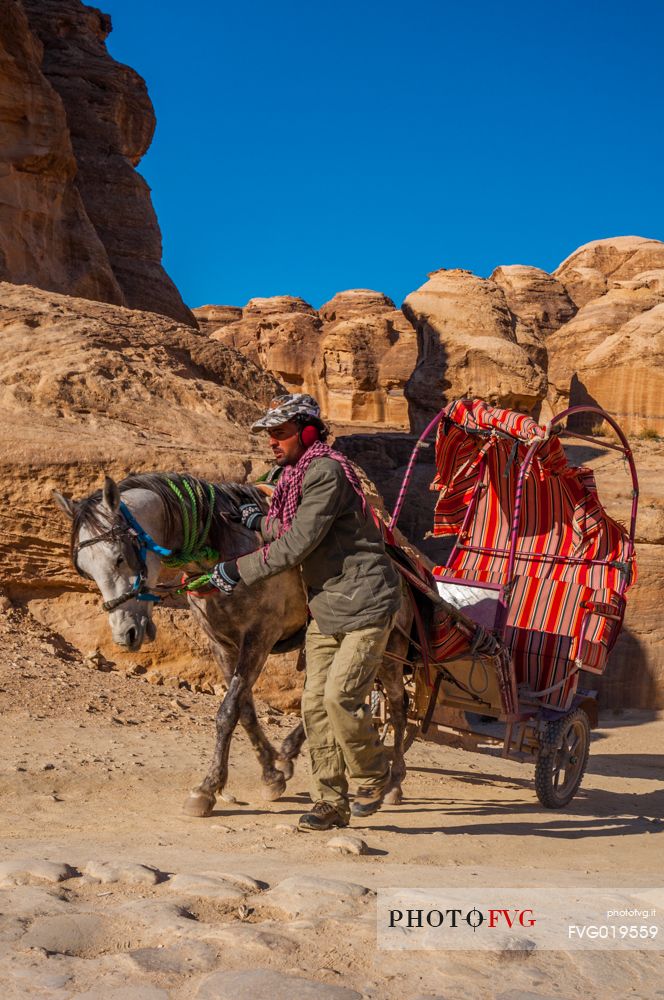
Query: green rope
x=188 y=547
x=185 y=516
x=196 y=584
x=208 y=523
x=193 y=547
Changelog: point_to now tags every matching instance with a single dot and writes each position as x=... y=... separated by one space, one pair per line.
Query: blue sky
x=303 y=147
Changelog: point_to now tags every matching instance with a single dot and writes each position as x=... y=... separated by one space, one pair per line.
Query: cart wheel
x=562 y=759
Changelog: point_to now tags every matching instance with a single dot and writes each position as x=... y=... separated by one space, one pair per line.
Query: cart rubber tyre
x=562 y=759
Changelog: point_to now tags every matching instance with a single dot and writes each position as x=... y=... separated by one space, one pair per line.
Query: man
x=319 y=519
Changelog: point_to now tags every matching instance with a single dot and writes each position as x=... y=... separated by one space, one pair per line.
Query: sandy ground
x=95 y=767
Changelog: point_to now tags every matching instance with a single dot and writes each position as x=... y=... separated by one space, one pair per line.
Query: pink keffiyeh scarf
x=288 y=491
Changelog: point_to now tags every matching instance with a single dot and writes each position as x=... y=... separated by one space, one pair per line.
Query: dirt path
x=95 y=767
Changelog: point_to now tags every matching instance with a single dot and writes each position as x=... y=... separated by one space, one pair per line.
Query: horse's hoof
x=199 y=804
x=286 y=768
x=274 y=790
x=394 y=797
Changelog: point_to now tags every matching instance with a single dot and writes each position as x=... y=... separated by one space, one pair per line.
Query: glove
x=251 y=514
x=225 y=576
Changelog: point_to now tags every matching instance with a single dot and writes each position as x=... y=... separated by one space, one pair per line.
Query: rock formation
x=88 y=388
x=46 y=236
x=211 y=318
x=280 y=334
x=595 y=267
x=539 y=303
x=467 y=346
x=76 y=216
x=369 y=350
x=612 y=351
x=355 y=355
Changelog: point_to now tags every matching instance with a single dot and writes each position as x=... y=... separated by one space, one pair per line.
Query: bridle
x=140 y=542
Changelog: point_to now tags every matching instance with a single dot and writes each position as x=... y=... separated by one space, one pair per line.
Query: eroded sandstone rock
x=597 y=266
x=369 y=350
x=354 y=355
x=211 y=318
x=75 y=215
x=611 y=353
x=111 y=121
x=467 y=346
x=280 y=334
x=46 y=238
x=539 y=303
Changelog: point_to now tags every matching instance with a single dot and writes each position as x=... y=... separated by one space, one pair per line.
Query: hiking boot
x=367 y=801
x=323 y=816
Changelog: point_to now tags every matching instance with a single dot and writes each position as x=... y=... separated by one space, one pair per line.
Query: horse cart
x=531 y=599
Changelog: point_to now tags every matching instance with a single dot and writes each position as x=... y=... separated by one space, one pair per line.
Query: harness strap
x=146 y=541
x=193 y=548
x=130 y=595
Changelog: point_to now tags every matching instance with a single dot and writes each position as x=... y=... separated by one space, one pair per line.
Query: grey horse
x=109 y=546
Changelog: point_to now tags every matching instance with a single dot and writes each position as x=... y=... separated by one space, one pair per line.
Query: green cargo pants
x=342 y=739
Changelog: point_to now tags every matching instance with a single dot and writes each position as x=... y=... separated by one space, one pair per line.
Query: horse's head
x=104 y=549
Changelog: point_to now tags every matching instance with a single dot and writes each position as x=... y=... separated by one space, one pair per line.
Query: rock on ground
x=346 y=843
x=303 y=895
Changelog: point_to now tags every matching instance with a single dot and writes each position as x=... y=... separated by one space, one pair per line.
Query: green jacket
x=350 y=579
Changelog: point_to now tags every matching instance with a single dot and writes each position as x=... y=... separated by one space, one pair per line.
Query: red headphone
x=309 y=434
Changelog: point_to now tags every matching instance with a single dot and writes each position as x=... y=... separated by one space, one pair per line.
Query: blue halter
x=144 y=543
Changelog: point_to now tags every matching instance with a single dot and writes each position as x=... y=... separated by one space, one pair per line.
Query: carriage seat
x=478 y=601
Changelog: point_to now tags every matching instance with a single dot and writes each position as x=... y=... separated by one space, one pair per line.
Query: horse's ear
x=111 y=495
x=65 y=504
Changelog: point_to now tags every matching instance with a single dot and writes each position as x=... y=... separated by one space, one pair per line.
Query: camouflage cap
x=290 y=406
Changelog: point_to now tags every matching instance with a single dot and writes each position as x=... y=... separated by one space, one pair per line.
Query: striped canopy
x=573 y=562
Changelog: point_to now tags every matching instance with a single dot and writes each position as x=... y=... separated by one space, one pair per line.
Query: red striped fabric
x=446 y=639
x=479 y=451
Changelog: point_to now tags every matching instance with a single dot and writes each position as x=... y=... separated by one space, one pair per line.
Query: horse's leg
x=391 y=676
x=273 y=777
x=289 y=750
x=202 y=798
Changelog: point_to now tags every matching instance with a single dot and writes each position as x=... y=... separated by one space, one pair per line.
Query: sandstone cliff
x=355 y=354
x=612 y=352
x=75 y=216
x=368 y=352
x=46 y=236
x=467 y=346
x=595 y=267
x=281 y=334
x=539 y=304
x=87 y=388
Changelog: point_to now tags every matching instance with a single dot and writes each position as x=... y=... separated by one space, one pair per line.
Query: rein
x=193 y=549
